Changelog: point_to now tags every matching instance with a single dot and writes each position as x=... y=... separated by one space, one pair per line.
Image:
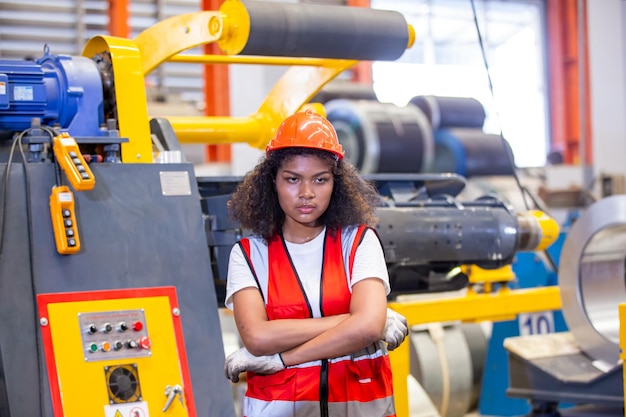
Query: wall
x=606 y=21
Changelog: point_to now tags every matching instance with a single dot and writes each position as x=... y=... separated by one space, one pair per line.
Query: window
x=446 y=60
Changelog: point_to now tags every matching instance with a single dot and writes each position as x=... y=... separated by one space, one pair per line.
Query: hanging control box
x=64 y=220
x=71 y=161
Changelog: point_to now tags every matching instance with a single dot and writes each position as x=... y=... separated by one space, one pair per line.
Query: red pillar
x=565 y=64
x=216 y=91
x=118 y=18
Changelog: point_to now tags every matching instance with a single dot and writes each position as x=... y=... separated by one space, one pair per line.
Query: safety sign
x=136 y=409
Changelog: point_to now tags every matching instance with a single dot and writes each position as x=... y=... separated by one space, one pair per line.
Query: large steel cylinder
x=324 y=31
x=482 y=234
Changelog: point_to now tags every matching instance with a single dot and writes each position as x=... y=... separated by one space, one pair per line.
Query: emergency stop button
x=145 y=342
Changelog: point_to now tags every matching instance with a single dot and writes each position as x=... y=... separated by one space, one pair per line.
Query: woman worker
x=308 y=288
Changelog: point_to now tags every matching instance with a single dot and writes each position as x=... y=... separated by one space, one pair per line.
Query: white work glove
x=396 y=329
x=241 y=360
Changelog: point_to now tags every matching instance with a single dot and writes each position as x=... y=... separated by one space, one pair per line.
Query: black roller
x=446 y=112
x=382 y=137
x=345 y=89
x=471 y=152
x=323 y=31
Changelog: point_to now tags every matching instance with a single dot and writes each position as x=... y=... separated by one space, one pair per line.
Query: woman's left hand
x=396 y=329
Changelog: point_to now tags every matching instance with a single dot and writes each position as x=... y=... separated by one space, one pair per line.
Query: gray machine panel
x=132 y=236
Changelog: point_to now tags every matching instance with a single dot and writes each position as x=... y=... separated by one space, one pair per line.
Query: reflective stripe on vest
x=360 y=384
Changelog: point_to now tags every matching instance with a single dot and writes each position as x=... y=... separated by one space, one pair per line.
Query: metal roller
x=382 y=137
x=471 y=152
x=445 y=112
x=346 y=90
x=460 y=144
x=487 y=235
x=322 y=31
x=591 y=279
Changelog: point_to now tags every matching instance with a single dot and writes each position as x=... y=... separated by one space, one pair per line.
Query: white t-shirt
x=369 y=262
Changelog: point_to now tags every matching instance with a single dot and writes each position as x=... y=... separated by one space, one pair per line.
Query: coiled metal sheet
x=382 y=137
x=446 y=112
x=471 y=152
x=592 y=279
x=447 y=360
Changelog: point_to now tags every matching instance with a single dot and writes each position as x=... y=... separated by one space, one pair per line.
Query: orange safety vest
x=353 y=385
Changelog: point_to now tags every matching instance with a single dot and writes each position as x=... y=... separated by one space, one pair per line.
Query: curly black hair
x=255 y=204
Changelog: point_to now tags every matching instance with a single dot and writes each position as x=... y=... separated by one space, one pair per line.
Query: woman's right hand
x=241 y=361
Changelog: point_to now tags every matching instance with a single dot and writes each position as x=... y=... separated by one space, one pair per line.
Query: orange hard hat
x=306 y=130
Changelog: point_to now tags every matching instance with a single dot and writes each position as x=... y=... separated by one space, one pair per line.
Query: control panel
x=114 y=334
x=116 y=353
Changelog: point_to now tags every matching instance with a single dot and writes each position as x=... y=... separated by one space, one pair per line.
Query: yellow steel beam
x=504 y=304
x=401 y=369
x=622 y=344
x=244 y=59
x=501 y=305
x=176 y=34
x=216 y=130
x=292 y=91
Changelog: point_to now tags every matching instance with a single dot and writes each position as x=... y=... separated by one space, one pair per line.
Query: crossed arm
x=303 y=340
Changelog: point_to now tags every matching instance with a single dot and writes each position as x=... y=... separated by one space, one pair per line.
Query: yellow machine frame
x=622 y=345
x=132 y=60
x=502 y=304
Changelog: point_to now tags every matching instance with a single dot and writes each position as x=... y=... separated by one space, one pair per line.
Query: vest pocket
x=278 y=386
x=367 y=379
x=362 y=370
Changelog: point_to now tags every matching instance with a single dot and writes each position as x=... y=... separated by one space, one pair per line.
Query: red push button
x=145 y=342
x=137 y=326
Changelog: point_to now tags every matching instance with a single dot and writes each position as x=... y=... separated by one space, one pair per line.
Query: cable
x=5 y=191
x=5 y=411
x=34 y=291
x=7 y=176
x=17 y=142
x=507 y=150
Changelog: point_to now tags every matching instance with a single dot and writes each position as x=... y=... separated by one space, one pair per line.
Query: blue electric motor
x=59 y=90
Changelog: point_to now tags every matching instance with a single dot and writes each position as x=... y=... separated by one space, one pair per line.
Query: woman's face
x=304 y=184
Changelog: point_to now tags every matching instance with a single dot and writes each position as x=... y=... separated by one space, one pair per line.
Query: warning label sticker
x=138 y=409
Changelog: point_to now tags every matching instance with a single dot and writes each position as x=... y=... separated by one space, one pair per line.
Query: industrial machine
x=111 y=266
x=108 y=303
